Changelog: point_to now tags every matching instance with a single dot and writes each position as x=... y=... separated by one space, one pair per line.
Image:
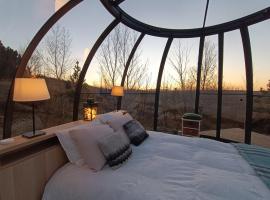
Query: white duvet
x=164 y=167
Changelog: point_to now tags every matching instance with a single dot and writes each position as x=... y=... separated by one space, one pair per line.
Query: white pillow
x=104 y=118
x=86 y=141
x=68 y=144
x=117 y=124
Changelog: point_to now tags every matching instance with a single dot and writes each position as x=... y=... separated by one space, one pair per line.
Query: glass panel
x=178 y=84
x=140 y=103
x=260 y=43
x=234 y=88
x=208 y=96
x=102 y=75
x=61 y=81
x=221 y=11
x=169 y=14
x=15 y=36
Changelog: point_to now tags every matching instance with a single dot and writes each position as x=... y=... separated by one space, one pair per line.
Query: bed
x=164 y=167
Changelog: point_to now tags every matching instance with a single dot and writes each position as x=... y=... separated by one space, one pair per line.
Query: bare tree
x=57 y=52
x=182 y=74
x=109 y=58
x=147 y=82
x=113 y=57
x=136 y=74
x=34 y=65
x=208 y=69
x=209 y=66
x=179 y=62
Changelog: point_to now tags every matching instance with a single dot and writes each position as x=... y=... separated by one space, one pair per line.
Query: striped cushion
x=115 y=148
x=136 y=132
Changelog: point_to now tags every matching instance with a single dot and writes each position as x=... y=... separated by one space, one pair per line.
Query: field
x=172 y=105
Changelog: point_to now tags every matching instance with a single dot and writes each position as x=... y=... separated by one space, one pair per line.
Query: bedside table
x=191 y=124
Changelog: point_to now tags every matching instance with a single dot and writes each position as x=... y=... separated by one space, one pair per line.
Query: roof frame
x=139 y=26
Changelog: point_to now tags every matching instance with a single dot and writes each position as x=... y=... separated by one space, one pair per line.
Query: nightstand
x=191 y=124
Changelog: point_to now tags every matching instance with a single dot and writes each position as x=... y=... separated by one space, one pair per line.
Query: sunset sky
x=20 y=20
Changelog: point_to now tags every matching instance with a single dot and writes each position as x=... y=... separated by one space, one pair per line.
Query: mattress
x=165 y=167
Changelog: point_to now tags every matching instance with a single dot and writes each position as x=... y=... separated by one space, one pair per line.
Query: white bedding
x=164 y=167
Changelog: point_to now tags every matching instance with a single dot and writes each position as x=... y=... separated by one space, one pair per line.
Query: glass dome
x=232 y=31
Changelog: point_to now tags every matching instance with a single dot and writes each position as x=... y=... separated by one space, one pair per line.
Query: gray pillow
x=135 y=131
x=115 y=148
x=86 y=140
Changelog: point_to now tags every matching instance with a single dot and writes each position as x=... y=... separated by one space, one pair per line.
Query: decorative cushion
x=136 y=132
x=115 y=148
x=117 y=124
x=86 y=141
x=192 y=116
x=104 y=118
x=68 y=145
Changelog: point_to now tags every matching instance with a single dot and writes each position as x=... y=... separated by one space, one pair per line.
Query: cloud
x=59 y=4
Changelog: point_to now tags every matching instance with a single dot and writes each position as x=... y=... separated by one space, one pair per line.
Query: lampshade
x=30 y=89
x=117 y=91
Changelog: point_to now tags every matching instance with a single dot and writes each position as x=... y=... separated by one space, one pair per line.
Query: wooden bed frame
x=27 y=164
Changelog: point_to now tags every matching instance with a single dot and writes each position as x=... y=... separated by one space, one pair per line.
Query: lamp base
x=32 y=135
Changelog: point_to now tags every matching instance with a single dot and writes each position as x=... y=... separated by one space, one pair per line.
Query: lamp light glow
x=30 y=89
x=117 y=91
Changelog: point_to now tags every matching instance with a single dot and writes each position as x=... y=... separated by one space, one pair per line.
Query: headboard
x=27 y=164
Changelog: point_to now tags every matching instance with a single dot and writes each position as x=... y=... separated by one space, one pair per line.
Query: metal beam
x=127 y=66
x=205 y=13
x=249 y=82
x=139 y=26
x=8 y=115
x=220 y=81
x=87 y=62
x=117 y=2
x=161 y=68
x=199 y=71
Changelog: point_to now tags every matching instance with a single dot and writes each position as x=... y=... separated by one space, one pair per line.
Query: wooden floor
x=237 y=134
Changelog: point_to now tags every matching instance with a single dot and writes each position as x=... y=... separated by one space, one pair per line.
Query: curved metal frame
x=220 y=82
x=139 y=26
x=249 y=82
x=131 y=55
x=199 y=71
x=26 y=57
x=160 y=73
x=87 y=62
x=121 y=16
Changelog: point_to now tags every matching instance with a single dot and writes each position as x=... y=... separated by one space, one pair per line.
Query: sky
x=20 y=20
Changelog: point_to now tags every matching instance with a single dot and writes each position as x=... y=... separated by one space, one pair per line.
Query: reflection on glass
x=59 y=4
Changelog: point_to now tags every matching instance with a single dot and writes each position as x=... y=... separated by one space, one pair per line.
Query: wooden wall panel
x=25 y=178
x=29 y=178
x=6 y=184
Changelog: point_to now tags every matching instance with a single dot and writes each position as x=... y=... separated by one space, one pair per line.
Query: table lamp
x=31 y=90
x=117 y=91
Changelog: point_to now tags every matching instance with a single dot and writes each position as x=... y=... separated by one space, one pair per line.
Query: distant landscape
x=173 y=104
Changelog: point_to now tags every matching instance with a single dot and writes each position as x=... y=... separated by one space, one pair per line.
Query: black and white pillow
x=135 y=131
x=115 y=148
